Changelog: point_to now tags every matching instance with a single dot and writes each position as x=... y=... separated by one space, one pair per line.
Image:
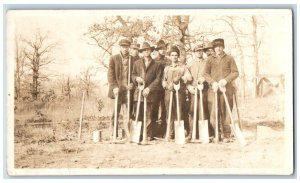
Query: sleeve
x=187 y=76
x=164 y=77
x=207 y=72
x=111 y=74
x=134 y=73
x=234 y=71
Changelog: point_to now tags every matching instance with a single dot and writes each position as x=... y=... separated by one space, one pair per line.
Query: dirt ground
x=61 y=149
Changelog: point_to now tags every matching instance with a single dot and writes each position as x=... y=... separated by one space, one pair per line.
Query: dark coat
x=114 y=74
x=151 y=75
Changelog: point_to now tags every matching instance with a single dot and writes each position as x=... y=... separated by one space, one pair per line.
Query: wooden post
x=81 y=115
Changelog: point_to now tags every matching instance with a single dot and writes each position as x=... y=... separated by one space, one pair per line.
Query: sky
x=74 y=54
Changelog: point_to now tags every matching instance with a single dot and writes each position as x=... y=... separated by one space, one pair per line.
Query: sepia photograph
x=150 y=92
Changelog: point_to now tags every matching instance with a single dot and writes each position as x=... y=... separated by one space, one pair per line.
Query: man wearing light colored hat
x=220 y=72
x=118 y=79
x=146 y=71
x=196 y=68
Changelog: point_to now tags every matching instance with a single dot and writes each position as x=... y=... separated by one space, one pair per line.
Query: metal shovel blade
x=203 y=131
x=135 y=131
x=239 y=135
x=179 y=132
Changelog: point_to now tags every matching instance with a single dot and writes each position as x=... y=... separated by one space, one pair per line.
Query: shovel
x=235 y=128
x=145 y=141
x=169 y=118
x=195 y=117
x=136 y=125
x=179 y=124
x=217 y=121
x=203 y=124
x=114 y=139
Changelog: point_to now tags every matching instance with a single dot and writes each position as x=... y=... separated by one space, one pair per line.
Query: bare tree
x=86 y=80
x=105 y=35
x=176 y=31
x=229 y=20
x=19 y=67
x=38 y=53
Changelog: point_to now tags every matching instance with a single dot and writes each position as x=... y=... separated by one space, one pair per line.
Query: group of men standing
x=160 y=77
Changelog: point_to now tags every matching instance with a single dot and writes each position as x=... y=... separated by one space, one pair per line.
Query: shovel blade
x=135 y=131
x=203 y=131
x=239 y=135
x=179 y=132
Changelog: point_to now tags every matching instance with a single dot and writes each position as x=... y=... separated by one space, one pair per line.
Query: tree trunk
x=255 y=53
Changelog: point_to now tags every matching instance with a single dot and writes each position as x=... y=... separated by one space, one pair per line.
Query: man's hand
x=139 y=80
x=176 y=79
x=164 y=84
x=201 y=80
x=146 y=92
x=130 y=86
x=222 y=82
x=116 y=91
x=215 y=86
x=191 y=89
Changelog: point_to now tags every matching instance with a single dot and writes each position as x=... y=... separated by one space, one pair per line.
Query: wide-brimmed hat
x=198 y=47
x=124 y=42
x=145 y=46
x=160 y=44
x=219 y=42
x=135 y=46
x=174 y=49
x=207 y=46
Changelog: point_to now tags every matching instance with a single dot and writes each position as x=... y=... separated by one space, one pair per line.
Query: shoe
x=226 y=140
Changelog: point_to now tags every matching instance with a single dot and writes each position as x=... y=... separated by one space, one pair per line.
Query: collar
x=122 y=56
x=174 y=65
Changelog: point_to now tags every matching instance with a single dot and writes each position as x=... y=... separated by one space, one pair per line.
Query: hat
x=146 y=46
x=160 y=44
x=124 y=42
x=207 y=46
x=135 y=46
x=174 y=49
x=219 y=42
x=198 y=47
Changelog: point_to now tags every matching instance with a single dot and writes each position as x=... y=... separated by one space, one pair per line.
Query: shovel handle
x=145 y=122
x=115 y=119
x=195 y=115
x=138 y=106
x=169 y=117
x=217 y=121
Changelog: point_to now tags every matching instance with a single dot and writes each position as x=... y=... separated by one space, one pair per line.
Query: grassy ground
x=57 y=146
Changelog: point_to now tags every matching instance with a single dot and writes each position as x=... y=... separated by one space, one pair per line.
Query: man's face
x=219 y=49
x=199 y=53
x=210 y=52
x=174 y=57
x=124 y=50
x=134 y=52
x=162 y=51
x=147 y=52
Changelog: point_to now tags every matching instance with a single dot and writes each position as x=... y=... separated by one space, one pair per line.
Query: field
x=48 y=138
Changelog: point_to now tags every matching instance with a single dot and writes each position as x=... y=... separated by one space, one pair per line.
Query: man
x=118 y=80
x=162 y=60
x=209 y=51
x=146 y=71
x=173 y=74
x=220 y=72
x=196 y=68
